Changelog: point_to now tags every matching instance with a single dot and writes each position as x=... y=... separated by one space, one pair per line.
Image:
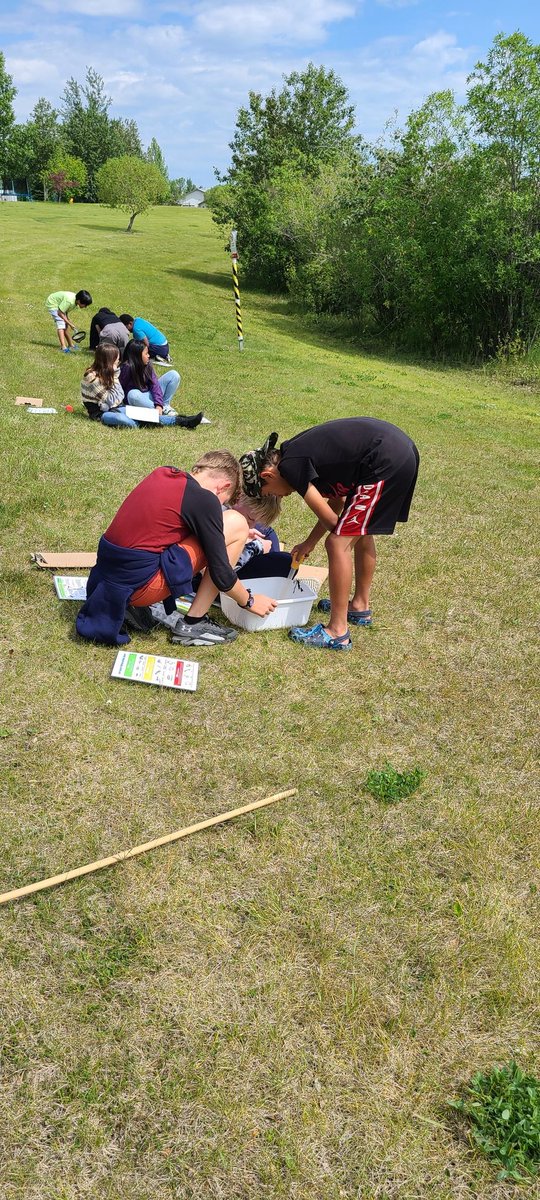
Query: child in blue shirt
x=143 y=331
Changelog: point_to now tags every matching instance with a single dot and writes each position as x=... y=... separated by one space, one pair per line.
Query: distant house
x=194 y=199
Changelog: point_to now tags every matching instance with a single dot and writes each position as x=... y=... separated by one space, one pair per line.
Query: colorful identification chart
x=156 y=668
x=70 y=587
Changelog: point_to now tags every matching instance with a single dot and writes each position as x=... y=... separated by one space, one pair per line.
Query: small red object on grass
x=69 y=408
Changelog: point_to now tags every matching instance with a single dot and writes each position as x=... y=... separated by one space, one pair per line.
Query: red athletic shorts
x=376 y=507
x=157 y=587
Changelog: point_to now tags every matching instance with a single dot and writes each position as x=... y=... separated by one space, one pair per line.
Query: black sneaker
x=189 y=422
x=140 y=619
x=205 y=632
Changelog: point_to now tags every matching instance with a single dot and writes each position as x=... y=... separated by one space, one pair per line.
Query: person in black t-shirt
x=357 y=475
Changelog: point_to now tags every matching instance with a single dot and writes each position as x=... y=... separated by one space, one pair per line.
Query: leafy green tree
x=7 y=115
x=65 y=174
x=180 y=188
x=20 y=154
x=309 y=120
x=124 y=138
x=154 y=154
x=85 y=124
x=130 y=184
x=307 y=124
x=44 y=133
x=504 y=106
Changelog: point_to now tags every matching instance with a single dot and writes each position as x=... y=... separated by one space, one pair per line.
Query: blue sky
x=182 y=68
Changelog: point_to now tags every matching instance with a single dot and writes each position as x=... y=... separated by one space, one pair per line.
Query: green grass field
x=280 y=1007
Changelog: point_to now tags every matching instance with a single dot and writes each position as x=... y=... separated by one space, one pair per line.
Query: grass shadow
x=210 y=277
x=285 y=318
x=108 y=228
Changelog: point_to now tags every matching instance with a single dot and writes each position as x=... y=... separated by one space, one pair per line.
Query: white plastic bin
x=294 y=600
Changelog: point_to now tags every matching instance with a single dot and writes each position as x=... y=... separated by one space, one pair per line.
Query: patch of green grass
x=390 y=785
x=503 y=1108
x=274 y=1008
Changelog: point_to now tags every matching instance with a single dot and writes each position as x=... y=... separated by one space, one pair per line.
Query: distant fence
x=7 y=196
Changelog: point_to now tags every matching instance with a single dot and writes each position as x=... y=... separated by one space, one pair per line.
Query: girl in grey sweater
x=101 y=389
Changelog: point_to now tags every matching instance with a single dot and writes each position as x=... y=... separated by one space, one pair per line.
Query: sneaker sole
x=200 y=641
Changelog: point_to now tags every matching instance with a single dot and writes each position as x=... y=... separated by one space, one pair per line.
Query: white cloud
x=97 y=8
x=443 y=48
x=273 y=22
x=184 y=87
x=28 y=71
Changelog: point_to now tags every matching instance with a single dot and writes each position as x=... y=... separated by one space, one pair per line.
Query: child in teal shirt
x=59 y=305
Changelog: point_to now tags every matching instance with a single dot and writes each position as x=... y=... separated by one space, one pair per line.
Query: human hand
x=302 y=550
x=262 y=605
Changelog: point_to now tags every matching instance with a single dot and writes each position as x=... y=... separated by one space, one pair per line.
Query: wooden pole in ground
x=112 y=859
x=236 y=290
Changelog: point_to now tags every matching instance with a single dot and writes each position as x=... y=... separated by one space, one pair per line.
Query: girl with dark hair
x=143 y=389
x=101 y=390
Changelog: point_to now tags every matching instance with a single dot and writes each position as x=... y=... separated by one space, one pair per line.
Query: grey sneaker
x=206 y=632
x=163 y=618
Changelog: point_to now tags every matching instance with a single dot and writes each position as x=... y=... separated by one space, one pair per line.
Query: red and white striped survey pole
x=236 y=289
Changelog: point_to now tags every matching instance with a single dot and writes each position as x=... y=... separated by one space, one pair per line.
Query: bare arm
x=327 y=511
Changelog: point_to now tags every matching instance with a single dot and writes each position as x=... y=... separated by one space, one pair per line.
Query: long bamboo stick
x=112 y=859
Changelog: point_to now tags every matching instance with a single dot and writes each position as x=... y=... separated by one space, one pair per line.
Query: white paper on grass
x=70 y=587
x=177 y=673
x=142 y=414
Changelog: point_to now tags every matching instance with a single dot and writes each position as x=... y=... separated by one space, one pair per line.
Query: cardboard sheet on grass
x=62 y=561
x=33 y=400
x=313 y=575
x=81 y=560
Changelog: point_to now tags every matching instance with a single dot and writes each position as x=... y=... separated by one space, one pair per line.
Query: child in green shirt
x=59 y=304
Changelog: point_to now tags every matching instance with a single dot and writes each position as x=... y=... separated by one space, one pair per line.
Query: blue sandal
x=319 y=638
x=355 y=616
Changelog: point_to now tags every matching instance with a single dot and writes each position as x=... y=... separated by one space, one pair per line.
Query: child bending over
x=357 y=475
x=59 y=305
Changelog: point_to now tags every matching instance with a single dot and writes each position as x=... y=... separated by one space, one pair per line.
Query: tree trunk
x=131 y=220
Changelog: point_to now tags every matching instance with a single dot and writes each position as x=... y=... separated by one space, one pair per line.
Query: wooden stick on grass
x=112 y=859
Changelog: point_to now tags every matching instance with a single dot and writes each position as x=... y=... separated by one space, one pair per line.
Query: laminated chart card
x=156 y=668
x=70 y=587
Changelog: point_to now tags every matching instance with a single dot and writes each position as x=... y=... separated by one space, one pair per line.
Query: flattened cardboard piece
x=318 y=573
x=29 y=400
x=142 y=414
x=62 y=561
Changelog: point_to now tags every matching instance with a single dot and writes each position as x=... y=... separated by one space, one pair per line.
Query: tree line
x=60 y=152
x=429 y=237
